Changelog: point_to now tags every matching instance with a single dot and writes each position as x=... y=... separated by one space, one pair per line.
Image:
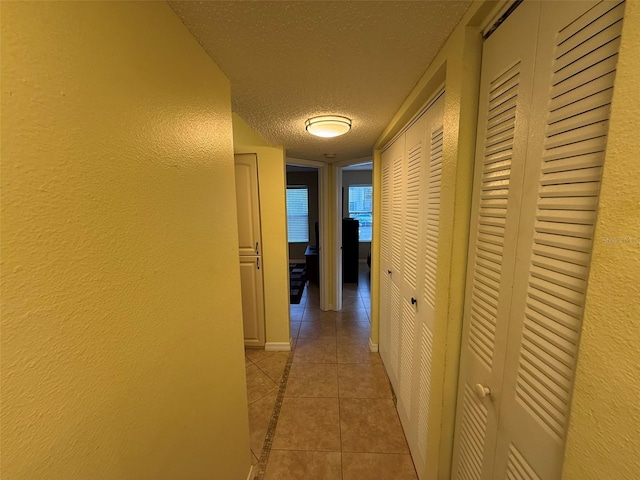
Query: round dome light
x=328 y=126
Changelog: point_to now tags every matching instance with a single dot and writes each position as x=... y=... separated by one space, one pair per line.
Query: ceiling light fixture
x=328 y=126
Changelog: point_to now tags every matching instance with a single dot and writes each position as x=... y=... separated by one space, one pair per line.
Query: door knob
x=481 y=390
x=413 y=301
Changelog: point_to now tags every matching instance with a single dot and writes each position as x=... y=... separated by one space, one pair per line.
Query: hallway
x=332 y=416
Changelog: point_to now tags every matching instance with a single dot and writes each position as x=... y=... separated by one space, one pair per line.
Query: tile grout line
x=339 y=409
x=271 y=429
x=268 y=442
x=267 y=375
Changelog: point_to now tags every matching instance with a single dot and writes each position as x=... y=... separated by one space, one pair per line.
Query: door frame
x=323 y=221
x=337 y=226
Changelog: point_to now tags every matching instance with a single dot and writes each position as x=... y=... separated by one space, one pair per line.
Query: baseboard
x=278 y=346
x=252 y=472
x=373 y=347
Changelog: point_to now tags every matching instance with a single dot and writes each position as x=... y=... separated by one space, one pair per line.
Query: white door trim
x=326 y=302
x=338 y=168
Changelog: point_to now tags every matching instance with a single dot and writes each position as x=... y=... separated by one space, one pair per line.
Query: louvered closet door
x=411 y=171
x=423 y=154
x=414 y=157
x=576 y=55
x=575 y=69
x=430 y=214
x=395 y=283
x=394 y=155
x=505 y=97
x=385 y=255
x=429 y=220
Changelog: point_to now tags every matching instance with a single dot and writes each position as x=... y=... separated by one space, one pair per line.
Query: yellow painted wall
x=121 y=325
x=604 y=431
x=272 y=183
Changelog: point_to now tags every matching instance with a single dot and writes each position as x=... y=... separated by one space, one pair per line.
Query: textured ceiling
x=288 y=61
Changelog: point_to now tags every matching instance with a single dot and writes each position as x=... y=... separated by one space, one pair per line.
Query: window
x=298 y=214
x=361 y=208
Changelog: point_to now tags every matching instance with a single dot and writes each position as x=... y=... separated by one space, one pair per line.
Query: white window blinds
x=361 y=208
x=298 y=214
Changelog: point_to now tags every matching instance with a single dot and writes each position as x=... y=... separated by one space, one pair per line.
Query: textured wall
x=604 y=433
x=273 y=216
x=121 y=325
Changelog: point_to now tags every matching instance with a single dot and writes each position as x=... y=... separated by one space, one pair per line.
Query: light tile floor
x=337 y=419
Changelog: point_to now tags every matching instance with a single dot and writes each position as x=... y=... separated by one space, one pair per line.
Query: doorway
x=298 y=172
x=354 y=227
x=303 y=231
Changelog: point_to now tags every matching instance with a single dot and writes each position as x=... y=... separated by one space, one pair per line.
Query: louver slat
x=432 y=219
x=576 y=130
x=386 y=214
x=394 y=327
x=518 y=468
x=384 y=314
x=396 y=214
x=406 y=356
x=412 y=202
x=425 y=387
x=385 y=254
x=496 y=172
x=474 y=426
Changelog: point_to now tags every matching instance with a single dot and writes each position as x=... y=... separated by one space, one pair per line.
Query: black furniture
x=313 y=264
x=350 y=250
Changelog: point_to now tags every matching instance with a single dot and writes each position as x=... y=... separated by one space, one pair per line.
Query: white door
x=427 y=254
x=385 y=257
x=505 y=92
x=535 y=199
x=411 y=188
x=391 y=264
x=577 y=51
x=411 y=171
x=248 y=205
x=421 y=199
x=252 y=301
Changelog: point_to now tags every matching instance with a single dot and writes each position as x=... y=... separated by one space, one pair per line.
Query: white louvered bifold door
x=505 y=92
x=414 y=158
x=411 y=179
x=575 y=68
x=427 y=254
x=525 y=296
x=385 y=255
x=393 y=213
x=395 y=278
